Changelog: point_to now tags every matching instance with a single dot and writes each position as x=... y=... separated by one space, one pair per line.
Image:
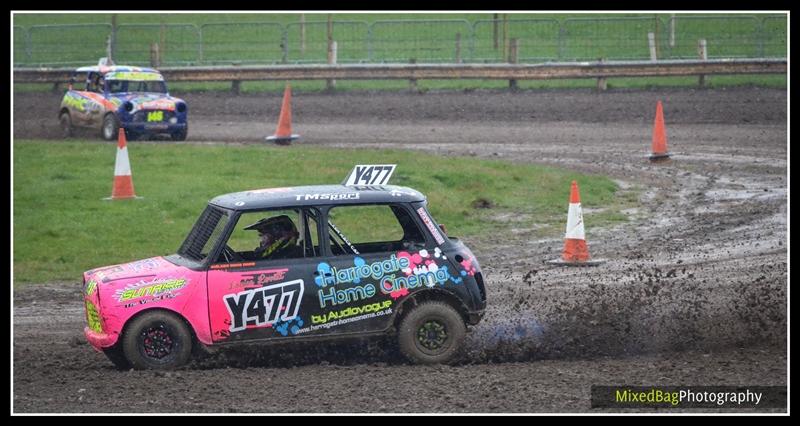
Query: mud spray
x=583 y=313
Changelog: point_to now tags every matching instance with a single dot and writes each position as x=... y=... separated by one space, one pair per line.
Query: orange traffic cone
x=123 y=182
x=576 y=253
x=284 y=136
x=659 y=137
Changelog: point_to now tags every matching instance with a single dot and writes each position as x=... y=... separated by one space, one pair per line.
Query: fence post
x=108 y=49
x=302 y=35
x=458 y=48
x=155 y=55
x=28 y=47
x=513 y=58
x=162 y=45
x=494 y=30
x=505 y=35
x=672 y=30
x=284 y=45
x=602 y=84
x=199 y=44
x=703 y=53
x=651 y=40
x=369 y=42
x=656 y=32
x=412 y=83
x=471 y=46
x=112 y=40
x=330 y=34
x=330 y=84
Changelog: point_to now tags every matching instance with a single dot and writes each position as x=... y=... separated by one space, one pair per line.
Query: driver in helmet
x=278 y=238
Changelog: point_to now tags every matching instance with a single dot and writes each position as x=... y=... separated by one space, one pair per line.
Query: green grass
x=63 y=227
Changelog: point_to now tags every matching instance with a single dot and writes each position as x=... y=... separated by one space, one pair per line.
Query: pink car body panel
x=120 y=292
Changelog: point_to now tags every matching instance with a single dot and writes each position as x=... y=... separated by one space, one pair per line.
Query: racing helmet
x=277 y=225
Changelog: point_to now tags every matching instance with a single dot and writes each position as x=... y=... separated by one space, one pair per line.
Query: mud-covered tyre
x=180 y=135
x=110 y=127
x=65 y=121
x=117 y=357
x=432 y=333
x=157 y=340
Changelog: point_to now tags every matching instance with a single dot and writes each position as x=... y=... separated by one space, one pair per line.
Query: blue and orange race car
x=110 y=96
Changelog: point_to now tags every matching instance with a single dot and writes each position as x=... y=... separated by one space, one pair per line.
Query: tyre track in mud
x=694 y=291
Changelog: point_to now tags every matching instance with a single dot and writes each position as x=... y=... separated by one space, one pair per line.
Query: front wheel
x=432 y=333
x=157 y=340
x=115 y=355
x=110 y=127
x=66 y=125
x=180 y=135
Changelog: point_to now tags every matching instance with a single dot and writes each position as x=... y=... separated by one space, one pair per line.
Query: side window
x=78 y=80
x=268 y=235
x=372 y=229
x=115 y=86
x=94 y=82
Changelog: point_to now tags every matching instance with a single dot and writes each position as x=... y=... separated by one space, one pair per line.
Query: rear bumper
x=99 y=340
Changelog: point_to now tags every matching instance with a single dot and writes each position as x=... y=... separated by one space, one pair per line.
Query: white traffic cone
x=123 y=181
x=576 y=252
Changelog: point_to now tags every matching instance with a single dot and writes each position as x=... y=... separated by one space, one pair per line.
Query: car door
x=253 y=299
x=95 y=104
x=369 y=263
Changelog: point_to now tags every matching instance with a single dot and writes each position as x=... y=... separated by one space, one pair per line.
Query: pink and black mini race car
x=296 y=263
x=108 y=97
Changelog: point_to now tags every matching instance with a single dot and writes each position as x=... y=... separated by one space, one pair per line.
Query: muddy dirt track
x=694 y=291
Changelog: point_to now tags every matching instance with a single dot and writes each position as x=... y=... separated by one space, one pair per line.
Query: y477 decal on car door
x=264 y=305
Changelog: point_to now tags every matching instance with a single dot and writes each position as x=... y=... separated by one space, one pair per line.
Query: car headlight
x=181 y=107
x=128 y=106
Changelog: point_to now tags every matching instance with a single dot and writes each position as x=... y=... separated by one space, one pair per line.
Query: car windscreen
x=126 y=86
x=205 y=233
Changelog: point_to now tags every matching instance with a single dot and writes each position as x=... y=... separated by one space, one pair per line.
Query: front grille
x=142 y=116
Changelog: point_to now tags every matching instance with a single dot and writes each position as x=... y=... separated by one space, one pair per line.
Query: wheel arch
x=428 y=295
x=113 y=113
x=133 y=317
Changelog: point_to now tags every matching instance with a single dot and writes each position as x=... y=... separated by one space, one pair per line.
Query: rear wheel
x=432 y=333
x=66 y=125
x=157 y=340
x=110 y=127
